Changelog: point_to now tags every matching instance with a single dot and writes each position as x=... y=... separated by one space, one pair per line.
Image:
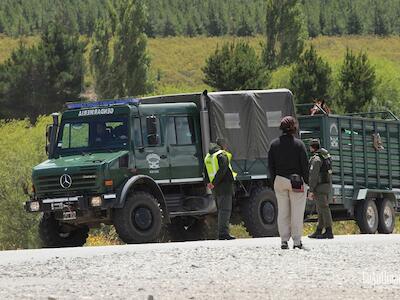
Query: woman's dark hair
x=288 y=125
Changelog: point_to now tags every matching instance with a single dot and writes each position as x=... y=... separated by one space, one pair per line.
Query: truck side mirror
x=51 y=135
x=49 y=130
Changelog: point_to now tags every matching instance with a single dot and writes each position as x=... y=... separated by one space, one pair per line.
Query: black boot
x=317 y=233
x=298 y=246
x=327 y=234
x=284 y=245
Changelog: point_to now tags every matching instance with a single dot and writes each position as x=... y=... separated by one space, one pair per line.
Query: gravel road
x=348 y=267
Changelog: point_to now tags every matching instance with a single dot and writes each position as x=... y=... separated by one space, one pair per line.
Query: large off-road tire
x=260 y=213
x=367 y=217
x=387 y=216
x=140 y=220
x=187 y=229
x=55 y=234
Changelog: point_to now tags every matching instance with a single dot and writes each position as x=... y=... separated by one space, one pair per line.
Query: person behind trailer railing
x=288 y=166
x=219 y=177
x=320 y=107
x=320 y=188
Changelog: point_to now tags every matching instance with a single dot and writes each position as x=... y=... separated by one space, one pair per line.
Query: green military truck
x=365 y=151
x=138 y=164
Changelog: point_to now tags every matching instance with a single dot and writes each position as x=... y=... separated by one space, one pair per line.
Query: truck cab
x=98 y=153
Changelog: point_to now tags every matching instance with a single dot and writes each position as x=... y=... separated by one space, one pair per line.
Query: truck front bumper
x=76 y=203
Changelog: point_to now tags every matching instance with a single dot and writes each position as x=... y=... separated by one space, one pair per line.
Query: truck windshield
x=91 y=135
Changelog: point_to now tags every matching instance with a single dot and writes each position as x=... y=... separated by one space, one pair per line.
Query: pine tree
x=244 y=28
x=100 y=56
x=190 y=28
x=40 y=79
x=357 y=82
x=310 y=78
x=217 y=24
x=285 y=33
x=169 y=27
x=235 y=67
x=126 y=68
x=322 y=22
x=354 y=25
x=61 y=54
x=380 y=21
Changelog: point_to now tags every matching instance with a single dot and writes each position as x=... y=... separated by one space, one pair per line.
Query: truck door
x=184 y=149
x=150 y=148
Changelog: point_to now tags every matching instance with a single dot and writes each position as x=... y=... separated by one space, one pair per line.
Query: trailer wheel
x=260 y=213
x=55 y=234
x=140 y=220
x=367 y=216
x=187 y=229
x=387 y=216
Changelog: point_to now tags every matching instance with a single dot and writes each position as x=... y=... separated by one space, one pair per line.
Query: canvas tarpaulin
x=248 y=120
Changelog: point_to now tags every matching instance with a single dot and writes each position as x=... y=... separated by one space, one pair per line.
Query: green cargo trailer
x=365 y=152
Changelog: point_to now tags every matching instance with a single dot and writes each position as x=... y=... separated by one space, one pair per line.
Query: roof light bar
x=76 y=105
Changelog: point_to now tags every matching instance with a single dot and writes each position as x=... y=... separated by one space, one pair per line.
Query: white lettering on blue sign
x=95 y=112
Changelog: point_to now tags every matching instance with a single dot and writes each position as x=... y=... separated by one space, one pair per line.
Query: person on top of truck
x=320 y=188
x=220 y=177
x=288 y=166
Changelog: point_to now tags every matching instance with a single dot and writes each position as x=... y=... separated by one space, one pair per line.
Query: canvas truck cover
x=248 y=120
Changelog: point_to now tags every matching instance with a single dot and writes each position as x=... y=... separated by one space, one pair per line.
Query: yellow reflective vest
x=211 y=162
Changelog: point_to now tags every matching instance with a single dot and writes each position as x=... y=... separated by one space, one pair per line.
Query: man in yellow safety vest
x=220 y=176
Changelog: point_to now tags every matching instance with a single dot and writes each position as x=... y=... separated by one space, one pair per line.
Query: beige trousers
x=291 y=207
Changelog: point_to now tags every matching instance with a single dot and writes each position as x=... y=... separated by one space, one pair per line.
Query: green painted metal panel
x=356 y=163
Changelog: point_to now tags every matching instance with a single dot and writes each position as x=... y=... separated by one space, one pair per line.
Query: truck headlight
x=34 y=206
x=95 y=201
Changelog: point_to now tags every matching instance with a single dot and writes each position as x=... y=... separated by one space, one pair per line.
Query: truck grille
x=85 y=180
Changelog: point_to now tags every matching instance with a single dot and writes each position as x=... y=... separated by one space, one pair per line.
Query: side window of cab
x=147 y=132
x=181 y=131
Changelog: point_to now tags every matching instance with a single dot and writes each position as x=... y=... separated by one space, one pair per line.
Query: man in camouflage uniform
x=320 y=182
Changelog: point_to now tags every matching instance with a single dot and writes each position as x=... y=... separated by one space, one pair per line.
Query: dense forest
x=205 y=17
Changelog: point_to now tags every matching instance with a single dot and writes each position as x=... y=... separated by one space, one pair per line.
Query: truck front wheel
x=367 y=216
x=55 y=234
x=387 y=216
x=140 y=220
x=260 y=213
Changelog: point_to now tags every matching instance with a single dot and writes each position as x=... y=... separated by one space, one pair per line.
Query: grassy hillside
x=177 y=61
x=180 y=59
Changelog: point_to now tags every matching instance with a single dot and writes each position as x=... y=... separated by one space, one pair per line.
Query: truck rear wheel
x=187 y=229
x=367 y=216
x=387 y=216
x=140 y=220
x=55 y=234
x=260 y=213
